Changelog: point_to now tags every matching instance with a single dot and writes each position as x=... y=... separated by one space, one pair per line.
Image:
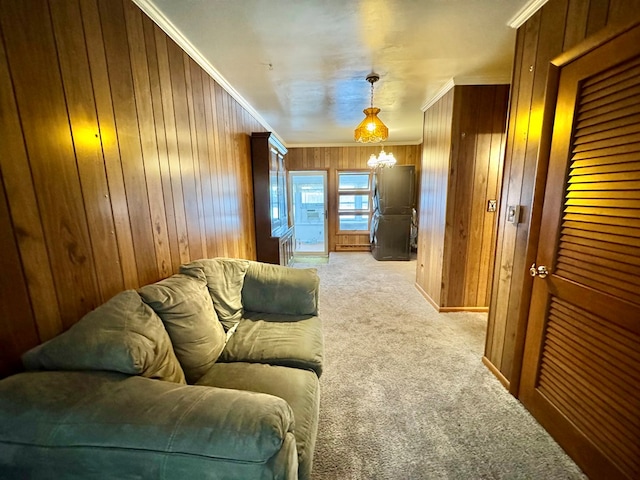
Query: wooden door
x=581 y=371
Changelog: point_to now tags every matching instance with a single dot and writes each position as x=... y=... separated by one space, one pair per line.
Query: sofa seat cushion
x=186 y=309
x=299 y=388
x=107 y=425
x=122 y=335
x=287 y=340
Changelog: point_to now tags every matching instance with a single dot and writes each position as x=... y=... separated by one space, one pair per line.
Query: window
x=354 y=201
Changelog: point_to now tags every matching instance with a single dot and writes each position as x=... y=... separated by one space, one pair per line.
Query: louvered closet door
x=581 y=372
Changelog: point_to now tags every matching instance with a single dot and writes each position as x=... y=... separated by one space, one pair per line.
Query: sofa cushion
x=107 y=425
x=185 y=307
x=287 y=340
x=225 y=277
x=299 y=388
x=122 y=335
x=277 y=289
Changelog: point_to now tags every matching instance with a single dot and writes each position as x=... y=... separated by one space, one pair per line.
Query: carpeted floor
x=405 y=394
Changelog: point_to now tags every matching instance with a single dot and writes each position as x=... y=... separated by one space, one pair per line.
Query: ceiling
x=300 y=65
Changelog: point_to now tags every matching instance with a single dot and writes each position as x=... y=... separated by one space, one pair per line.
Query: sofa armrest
x=99 y=411
x=284 y=290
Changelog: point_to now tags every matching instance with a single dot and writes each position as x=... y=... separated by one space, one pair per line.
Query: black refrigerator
x=393 y=202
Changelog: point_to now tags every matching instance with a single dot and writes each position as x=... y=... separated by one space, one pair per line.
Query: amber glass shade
x=371 y=129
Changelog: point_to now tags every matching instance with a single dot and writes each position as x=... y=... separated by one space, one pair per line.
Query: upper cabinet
x=274 y=234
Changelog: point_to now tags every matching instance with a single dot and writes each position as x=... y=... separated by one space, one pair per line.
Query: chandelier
x=383 y=159
x=371 y=129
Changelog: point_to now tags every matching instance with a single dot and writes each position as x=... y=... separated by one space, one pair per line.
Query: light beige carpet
x=405 y=394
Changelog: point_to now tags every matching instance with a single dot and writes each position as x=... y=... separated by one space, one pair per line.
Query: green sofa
x=211 y=373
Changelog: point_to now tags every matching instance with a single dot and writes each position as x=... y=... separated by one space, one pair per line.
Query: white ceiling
x=301 y=64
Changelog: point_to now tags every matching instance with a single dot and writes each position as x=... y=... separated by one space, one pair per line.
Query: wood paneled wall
x=120 y=159
x=434 y=186
x=554 y=29
x=462 y=157
x=333 y=159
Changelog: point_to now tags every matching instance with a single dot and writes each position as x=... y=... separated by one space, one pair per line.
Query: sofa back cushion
x=185 y=307
x=225 y=277
x=122 y=335
x=277 y=289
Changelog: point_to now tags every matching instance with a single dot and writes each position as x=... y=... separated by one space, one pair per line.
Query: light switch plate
x=492 y=205
x=513 y=214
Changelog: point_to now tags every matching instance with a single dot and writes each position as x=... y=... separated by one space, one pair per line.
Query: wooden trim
x=531 y=249
x=591 y=43
x=353 y=248
x=464 y=309
x=427 y=297
x=493 y=369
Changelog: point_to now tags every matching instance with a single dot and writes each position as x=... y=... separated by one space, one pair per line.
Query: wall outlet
x=513 y=214
x=492 y=205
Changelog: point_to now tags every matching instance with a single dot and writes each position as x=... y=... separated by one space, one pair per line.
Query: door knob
x=540 y=271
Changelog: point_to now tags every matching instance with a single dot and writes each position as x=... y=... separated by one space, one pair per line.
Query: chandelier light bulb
x=383 y=159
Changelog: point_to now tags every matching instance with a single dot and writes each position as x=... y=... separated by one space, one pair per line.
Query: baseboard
x=464 y=309
x=440 y=309
x=427 y=297
x=493 y=369
x=353 y=248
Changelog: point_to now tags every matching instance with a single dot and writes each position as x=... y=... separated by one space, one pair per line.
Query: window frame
x=354 y=191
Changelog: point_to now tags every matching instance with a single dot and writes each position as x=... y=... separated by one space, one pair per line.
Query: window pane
x=353 y=181
x=353 y=202
x=354 y=222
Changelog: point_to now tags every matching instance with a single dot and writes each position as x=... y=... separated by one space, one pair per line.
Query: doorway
x=581 y=368
x=309 y=204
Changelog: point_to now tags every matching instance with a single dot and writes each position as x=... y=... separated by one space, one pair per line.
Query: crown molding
x=525 y=13
x=465 y=80
x=170 y=29
x=438 y=95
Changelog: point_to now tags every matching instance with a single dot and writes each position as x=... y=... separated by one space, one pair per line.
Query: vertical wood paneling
x=26 y=228
x=74 y=66
x=178 y=76
x=161 y=139
x=17 y=322
x=120 y=159
x=45 y=126
x=462 y=157
x=198 y=141
x=598 y=15
x=519 y=123
x=110 y=150
x=173 y=172
x=494 y=184
x=333 y=159
x=214 y=165
x=200 y=87
x=434 y=184
x=128 y=136
x=223 y=134
x=148 y=137
x=557 y=27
